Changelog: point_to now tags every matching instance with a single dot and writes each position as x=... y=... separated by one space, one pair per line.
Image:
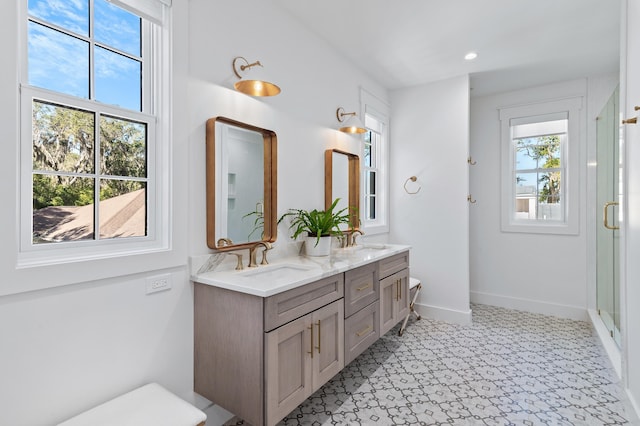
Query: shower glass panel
x=607 y=232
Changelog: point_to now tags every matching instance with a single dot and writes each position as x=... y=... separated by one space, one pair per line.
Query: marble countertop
x=291 y=272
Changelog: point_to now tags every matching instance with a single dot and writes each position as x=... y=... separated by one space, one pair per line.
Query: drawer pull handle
x=364 y=287
x=319 y=336
x=363 y=332
x=311 y=327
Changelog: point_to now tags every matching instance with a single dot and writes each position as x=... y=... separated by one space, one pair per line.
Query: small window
x=540 y=173
x=374 y=180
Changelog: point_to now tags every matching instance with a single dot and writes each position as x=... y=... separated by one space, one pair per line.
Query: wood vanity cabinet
x=301 y=356
x=394 y=290
x=259 y=357
x=362 y=311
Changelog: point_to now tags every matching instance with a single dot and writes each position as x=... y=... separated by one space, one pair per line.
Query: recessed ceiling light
x=470 y=56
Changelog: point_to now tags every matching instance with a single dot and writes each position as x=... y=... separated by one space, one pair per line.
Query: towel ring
x=412 y=179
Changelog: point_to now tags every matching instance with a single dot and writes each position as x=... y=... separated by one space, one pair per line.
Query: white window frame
x=156 y=107
x=570 y=156
x=379 y=110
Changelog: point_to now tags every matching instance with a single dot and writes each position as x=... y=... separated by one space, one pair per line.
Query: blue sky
x=60 y=61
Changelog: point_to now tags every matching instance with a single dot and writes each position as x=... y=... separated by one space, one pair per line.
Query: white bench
x=149 y=405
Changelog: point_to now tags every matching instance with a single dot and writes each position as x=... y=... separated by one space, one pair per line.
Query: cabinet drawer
x=360 y=331
x=393 y=264
x=289 y=305
x=360 y=288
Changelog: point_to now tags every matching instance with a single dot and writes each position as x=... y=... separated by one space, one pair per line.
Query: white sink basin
x=275 y=271
x=362 y=248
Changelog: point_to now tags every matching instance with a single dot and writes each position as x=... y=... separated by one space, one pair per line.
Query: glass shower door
x=607 y=232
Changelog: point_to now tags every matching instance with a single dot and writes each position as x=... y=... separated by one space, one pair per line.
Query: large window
x=89 y=146
x=540 y=172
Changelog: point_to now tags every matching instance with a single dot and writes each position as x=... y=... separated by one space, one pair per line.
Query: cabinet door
x=403 y=296
x=394 y=299
x=360 y=288
x=288 y=379
x=328 y=345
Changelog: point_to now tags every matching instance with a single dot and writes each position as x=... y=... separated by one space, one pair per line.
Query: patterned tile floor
x=508 y=368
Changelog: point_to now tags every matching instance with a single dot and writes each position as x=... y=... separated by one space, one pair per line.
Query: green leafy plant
x=258 y=223
x=317 y=223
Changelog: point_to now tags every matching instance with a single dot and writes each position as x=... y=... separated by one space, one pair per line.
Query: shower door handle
x=606 y=215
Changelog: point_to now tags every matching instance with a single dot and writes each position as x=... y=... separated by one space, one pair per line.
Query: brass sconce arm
x=244 y=66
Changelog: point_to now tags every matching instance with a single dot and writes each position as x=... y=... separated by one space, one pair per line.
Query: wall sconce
x=258 y=85
x=352 y=125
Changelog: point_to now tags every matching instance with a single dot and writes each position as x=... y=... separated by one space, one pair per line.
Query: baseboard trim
x=635 y=407
x=444 y=314
x=612 y=350
x=528 y=305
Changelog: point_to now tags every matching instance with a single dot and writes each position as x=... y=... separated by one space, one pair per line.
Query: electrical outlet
x=158 y=283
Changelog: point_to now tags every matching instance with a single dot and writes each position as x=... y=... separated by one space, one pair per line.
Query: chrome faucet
x=252 y=253
x=239 y=264
x=352 y=237
x=224 y=242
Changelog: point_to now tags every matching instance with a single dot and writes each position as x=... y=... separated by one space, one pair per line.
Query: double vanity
x=269 y=336
x=266 y=338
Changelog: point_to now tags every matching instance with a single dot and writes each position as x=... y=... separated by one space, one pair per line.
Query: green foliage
x=64 y=146
x=317 y=223
x=546 y=149
x=47 y=191
x=258 y=223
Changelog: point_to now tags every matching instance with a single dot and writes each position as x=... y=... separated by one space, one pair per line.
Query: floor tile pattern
x=507 y=368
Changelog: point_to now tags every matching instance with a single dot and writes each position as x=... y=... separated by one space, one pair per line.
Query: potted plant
x=319 y=225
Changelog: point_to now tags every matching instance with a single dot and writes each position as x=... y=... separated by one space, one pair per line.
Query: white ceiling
x=520 y=43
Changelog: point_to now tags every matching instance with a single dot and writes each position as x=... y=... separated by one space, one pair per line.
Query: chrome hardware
x=364 y=331
x=606 y=215
x=351 y=239
x=239 y=266
x=224 y=242
x=368 y=285
x=253 y=249
x=319 y=337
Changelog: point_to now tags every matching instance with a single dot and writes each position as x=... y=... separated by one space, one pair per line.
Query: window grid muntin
x=97 y=176
x=371 y=168
x=144 y=41
x=563 y=152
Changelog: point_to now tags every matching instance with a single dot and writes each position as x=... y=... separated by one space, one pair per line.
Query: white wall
x=65 y=349
x=535 y=272
x=430 y=140
x=630 y=279
x=314 y=80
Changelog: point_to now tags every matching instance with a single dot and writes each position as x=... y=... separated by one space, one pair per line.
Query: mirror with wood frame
x=342 y=180
x=241 y=182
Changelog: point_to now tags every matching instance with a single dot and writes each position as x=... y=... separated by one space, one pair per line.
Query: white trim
x=376 y=107
x=151 y=10
x=570 y=157
x=529 y=305
x=39 y=258
x=439 y=313
x=610 y=347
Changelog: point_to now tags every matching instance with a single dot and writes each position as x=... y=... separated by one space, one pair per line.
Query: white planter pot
x=323 y=248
